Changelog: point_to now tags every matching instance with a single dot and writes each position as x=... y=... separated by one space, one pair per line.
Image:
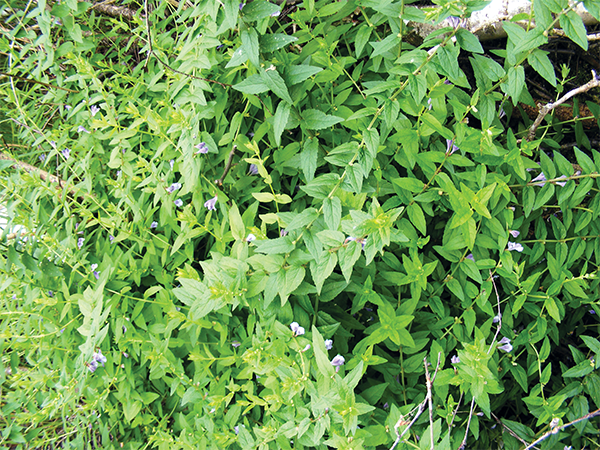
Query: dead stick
x=511 y=432
x=594 y=82
x=29 y=80
x=45 y=176
x=558 y=428
x=219 y=182
x=464 y=441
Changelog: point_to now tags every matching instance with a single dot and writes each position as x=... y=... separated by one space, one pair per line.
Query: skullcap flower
x=455 y=359
x=338 y=361
x=154 y=224
x=178 y=203
x=250 y=238
x=173 y=187
x=506 y=347
x=94 y=110
x=328 y=344
x=210 y=204
x=81 y=129
x=80 y=242
x=514 y=246
x=202 y=148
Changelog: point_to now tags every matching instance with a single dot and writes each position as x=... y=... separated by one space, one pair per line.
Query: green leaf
x=543 y=196
x=322 y=268
x=515 y=83
x=272 y=79
x=254 y=84
x=547 y=166
x=297 y=74
x=323 y=363
x=280 y=245
x=313 y=119
x=583 y=368
x=584 y=161
x=543 y=15
x=280 y=121
x=347 y=256
x=541 y=64
x=592 y=343
x=304 y=218
x=416 y=216
x=468 y=41
x=362 y=37
x=250 y=46
x=332 y=211
x=592 y=6
x=258 y=9
x=371 y=137
x=264 y=197
x=308 y=158
x=573 y=26
x=238 y=229
x=410 y=184
x=271 y=42
x=385 y=45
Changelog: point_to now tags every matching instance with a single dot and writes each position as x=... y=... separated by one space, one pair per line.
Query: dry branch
x=594 y=82
x=107 y=8
x=45 y=176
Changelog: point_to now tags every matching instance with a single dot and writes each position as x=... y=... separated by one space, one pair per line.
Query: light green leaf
x=468 y=41
x=332 y=212
x=297 y=74
x=323 y=363
x=280 y=121
x=573 y=26
x=313 y=119
x=272 y=79
x=308 y=158
x=264 y=197
x=416 y=216
x=250 y=46
x=541 y=64
x=238 y=230
x=280 y=245
x=254 y=84
x=272 y=42
x=410 y=184
x=362 y=37
x=347 y=256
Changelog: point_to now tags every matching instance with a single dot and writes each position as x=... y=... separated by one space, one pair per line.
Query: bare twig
x=511 y=432
x=219 y=182
x=45 y=176
x=499 y=327
x=558 y=428
x=428 y=383
x=464 y=441
x=420 y=408
x=594 y=82
x=455 y=411
x=29 y=80
x=114 y=11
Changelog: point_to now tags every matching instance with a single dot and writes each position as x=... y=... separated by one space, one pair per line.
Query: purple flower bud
x=42 y=157
x=242 y=6
x=125 y=355
x=514 y=246
x=506 y=347
x=455 y=359
x=470 y=256
x=50 y=293
x=540 y=180
x=210 y=204
x=99 y=357
x=202 y=148
x=338 y=361
x=276 y=14
x=92 y=366
x=80 y=242
x=94 y=266
x=171 y=163
x=307 y=348
x=111 y=238
x=497 y=318
x=252 y=170
x=450 y=146
x=235 y=344
x=514 y=233
x=328 y=344
x=173 y=187
x=154 y=224
x=81 y=129
x=283 y=233
x=178 y=203
x=66 y=153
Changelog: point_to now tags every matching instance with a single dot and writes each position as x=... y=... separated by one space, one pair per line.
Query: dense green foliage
x=276 y=228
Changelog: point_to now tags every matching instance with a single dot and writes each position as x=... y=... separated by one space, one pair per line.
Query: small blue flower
x=154 y=224
x=337 y=362
x=80 y=242
x=253 y=170
x=92 y=366
x=173 y=187
x=450 y=146
x=242 y=5
x=202 y=148
x=94 y=110
x=66 y=153
x=506 y=345
x=297 y=329
x=171 y=163
x=178 y=203
x=455 y=359
x=514 y=246
x=210 y=204
x=111 y=238
x=94 y=271
x=328 y=344
x=250 y=238
x=81 y=129
x=98 y=357
x=42 y=157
